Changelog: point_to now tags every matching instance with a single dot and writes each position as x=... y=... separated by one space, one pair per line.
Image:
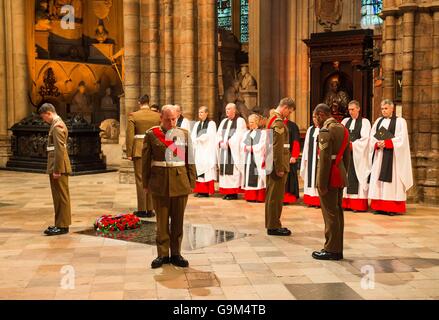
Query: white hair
x=255 y=117
x=231 y=105
x=178 y=108
x=168 y=107
x=387 y=101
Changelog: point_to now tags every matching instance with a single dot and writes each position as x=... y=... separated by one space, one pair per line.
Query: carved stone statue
x=56 y=6
x=80 y=103
x=329 y=12
x=110 y=130
x=336 y=98
x=107 y=102
x=247 y=81
x=42 y=16
x=233 y=95
x=101 y=33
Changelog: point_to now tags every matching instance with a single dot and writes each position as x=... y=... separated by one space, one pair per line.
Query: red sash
x=271 y=122
x=336 y=180
x=169 y=143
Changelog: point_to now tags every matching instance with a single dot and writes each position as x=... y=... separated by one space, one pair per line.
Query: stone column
x=154 y=50
x=303 y=95
x=14 y=76
x=408 y=21
x=292 y=46
x=203 y=57
x=388 y=57
x=254 y=27
x=132 y=55
x=3 y=89
x=131 y=14
x=169 y=50
x=145 y=46
x=212 y=54
x=431 y=189
x=187 y=58
x=16 y=61
x=260 y=49
x=4 y=138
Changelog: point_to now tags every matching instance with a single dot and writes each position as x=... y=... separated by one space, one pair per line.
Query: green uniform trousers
x=274 y=200
x=144 y=200
x=61 y=201
x=332 y=210
x=169 y=236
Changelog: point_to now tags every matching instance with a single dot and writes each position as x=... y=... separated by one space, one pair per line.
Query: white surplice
x=205 y=152
x=360 y=159
x=402 y=176
x=231 y=181
x=186 y=124
x=259 y=157
x=309 y=191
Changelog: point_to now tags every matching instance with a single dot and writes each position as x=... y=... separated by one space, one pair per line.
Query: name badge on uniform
x=50 y=148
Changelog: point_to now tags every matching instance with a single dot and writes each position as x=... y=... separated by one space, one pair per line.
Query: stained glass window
x=233 y=16
x=370 y=9
x=224 y=8
x=244 y=21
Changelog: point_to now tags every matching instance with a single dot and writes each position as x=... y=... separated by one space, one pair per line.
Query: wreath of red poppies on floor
x=121 y=222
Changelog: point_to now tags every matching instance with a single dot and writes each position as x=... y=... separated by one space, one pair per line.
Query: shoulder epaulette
x=152 y=128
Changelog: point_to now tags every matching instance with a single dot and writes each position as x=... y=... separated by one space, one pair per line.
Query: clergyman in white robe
x=308 y=167
x=253 y=152
x=355 y=195
x=229 y=137
x=182 y=122
x=204 y=144
x=391 y=176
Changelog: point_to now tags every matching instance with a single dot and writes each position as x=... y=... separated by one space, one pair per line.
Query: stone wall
x=170 y=54
x=279 y=57
x=14 y=78
x=411 y=46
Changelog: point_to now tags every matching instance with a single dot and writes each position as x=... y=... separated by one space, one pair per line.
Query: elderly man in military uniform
x=138 y=123
x=169 y=175
x=58 y=168
x=333 y=164
x=277 y=172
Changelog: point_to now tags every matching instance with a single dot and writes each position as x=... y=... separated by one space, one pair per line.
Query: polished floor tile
x=230 y=255
x=323 y=291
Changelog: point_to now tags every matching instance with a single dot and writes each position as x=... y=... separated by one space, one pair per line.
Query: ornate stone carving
x=42 y=16
x=101 y=8
x=329 y=12
x=101 y=33
x=247 y=81
x=336 y=98
x=110 y=130
x=49 y=89
x=80 y=103
x=29 y=141
x=107 y=102
x=233 y=95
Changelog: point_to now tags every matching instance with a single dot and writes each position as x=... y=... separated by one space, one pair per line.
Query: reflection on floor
x=194 y=237
x=385 y=257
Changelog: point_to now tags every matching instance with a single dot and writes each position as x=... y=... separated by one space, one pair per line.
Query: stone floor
x=385 y=257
